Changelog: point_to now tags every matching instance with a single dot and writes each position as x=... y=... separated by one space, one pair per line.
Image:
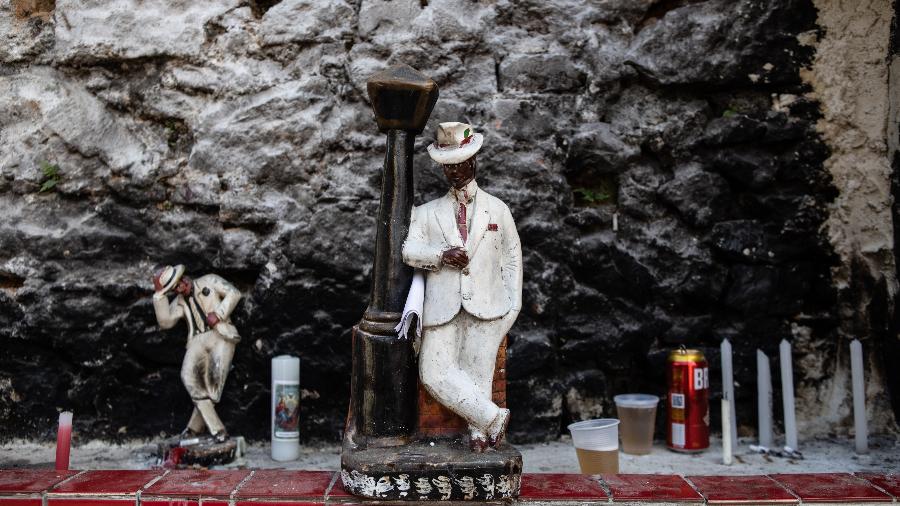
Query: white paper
x=415 y=303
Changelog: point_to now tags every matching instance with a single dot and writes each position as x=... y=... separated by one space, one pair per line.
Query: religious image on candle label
x=287 y=410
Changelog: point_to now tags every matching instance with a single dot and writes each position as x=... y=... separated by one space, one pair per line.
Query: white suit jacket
x=213 y=295
x=491 y=285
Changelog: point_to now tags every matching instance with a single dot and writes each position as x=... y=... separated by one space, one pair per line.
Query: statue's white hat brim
x=451 y=155
x=170 y=277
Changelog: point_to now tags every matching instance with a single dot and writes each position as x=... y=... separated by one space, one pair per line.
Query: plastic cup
x=597 y=445
x=638 y=415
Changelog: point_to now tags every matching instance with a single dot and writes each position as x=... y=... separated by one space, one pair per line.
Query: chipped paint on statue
x=205 y=304
x=467 y=242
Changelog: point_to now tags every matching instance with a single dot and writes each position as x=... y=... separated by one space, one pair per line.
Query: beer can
x=687 y=427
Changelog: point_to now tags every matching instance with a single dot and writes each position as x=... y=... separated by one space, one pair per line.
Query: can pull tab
x=682 y=349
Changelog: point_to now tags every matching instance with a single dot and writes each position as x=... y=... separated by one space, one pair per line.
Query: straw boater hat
x=167 y=277
x=456 y=142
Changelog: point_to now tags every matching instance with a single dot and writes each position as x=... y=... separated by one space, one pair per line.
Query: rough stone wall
x=661 y=158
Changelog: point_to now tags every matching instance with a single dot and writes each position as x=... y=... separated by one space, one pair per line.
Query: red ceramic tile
x=742 y=490
x=337 y=490
x=105 y=483
x=281 y=483
x=279 y=503
x=561 y=486
x=92 y=501
x=888 y=482
x=174 y=501
x=213 y=502
x=23 y=481
x=20 y=501
x=196 y=483
x=650 y=487
x=831 y=487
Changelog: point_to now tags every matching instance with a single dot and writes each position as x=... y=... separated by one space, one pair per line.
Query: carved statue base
x=176 y=453
x=432 y=470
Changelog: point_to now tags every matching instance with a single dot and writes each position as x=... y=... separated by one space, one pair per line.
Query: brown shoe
x=497 y=429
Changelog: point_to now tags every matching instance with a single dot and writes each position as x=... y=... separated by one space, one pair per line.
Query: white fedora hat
x=456 y=142
x=167 y=277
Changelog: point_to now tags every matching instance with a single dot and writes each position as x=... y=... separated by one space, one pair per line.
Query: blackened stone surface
x=239 y=140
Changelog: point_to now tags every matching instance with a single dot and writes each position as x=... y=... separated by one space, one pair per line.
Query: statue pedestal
x=432 y=469
x=175 y=453
x=437 y=463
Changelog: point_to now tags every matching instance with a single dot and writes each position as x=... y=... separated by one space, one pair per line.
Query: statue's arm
x=512 y=261
x=417 y=252
x=167 y=314
x=229 y=294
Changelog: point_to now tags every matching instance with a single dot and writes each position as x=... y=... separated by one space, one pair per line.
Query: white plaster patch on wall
x=849 y=77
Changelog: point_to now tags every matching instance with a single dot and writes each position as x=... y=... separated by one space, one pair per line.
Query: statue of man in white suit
x=205 y=304
x=468 y=243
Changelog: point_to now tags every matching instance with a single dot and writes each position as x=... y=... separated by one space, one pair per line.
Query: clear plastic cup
x=597 y=445
x=638 y=415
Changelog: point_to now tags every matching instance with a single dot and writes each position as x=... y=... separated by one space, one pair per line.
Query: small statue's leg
x=443 y=378
x=210 y=417
x=478 y=356
x=195 y=425
x=221 y=352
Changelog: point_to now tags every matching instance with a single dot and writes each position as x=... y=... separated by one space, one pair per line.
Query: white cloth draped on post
x=415 y=303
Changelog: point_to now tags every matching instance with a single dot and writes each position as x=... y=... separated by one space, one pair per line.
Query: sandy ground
x=831 y=455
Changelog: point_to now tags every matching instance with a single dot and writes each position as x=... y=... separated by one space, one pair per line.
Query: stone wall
x=665 y=160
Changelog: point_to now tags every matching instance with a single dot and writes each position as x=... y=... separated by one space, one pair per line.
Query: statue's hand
x=455 y=257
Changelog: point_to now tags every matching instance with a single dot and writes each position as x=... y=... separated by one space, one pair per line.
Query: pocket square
x=492 y=227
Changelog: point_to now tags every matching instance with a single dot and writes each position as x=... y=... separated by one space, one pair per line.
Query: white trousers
x=456 y=365
x=204 y=371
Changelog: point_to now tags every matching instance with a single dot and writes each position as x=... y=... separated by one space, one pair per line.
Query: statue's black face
x=459 y=174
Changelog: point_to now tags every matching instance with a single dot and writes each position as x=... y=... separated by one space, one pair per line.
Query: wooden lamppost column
x=384 y=383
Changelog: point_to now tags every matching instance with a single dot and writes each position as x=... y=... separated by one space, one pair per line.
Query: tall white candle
x=726 y=432
x=764 y=399
x=285 y=408
x=859 y=397
x=728 y=389
x=787 y=395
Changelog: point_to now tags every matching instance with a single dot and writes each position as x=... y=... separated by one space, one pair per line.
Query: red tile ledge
x=194 y=484
x=650 y=488
x=889 y=483
x=831 y=488
x=30 y=481
x=756 y=490
x=285 y=484
x=572 y=487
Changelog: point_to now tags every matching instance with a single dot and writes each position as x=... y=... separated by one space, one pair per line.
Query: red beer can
x=687 y=428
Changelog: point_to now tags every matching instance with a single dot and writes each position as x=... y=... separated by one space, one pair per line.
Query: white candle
x=764 y=399
x=859 y=397
x=787 y=395
x=726 y=432
x=285 y=408
x=728 y=389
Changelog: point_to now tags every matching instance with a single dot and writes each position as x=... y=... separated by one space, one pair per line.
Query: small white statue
x=468 y=243
x=205 y=304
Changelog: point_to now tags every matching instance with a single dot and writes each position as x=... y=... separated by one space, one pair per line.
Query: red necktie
x=461 y=222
